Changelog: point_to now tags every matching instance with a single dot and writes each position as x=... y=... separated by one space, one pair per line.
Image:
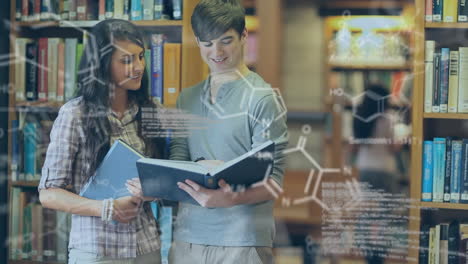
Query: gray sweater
x=247 y=113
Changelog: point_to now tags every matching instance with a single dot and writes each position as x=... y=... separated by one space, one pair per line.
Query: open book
x=159 y=177
x=118 y=166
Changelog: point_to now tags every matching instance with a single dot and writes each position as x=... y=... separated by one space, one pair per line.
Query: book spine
x=31 y=71
x=52 y=73
x=428 y=11
x=444 y=79
x=36 y=16
x=18 y=10
x=30 y=147
x=463 y=80
x=72 y=15
x=448 y=169
x=439 y=170
x=432 y=245
x=109 y=8
x=428 y=171
x=171 y=79
x=443 y=244
x=450 y=11
x=148 y=68
x=118 y=9
x=462 y=17
x=436 y=84
x=102 y=10
x=46 y=8
x=453 y=243
x=65 y=10
x=136 y=9
x=158 y=9
x=81 y=8
x=60 y=71
x=456 y=169
x=148 y=10
x=437 y=10
x=157 y=55
x=15 y=153
x=429 y=75
x=70 y=68
x=25 y=10
x=42 y=77
x=20 y=69
x=177 y=9
x=464 y=173
x=126 y=10
x=424 y=244
x=453 y=83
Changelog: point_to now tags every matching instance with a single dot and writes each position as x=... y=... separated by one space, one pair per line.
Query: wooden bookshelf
x=91 y=23
x=445 y=116
x=446 y=25
x=369 y=67
x=455 y=206
x=427 y=125
x=24 y=184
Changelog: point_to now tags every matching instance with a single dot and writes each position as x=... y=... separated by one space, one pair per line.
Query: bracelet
x=107 y=211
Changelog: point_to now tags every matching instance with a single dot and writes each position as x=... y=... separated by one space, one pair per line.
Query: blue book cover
x=464 y=173
x=157 y=55
x=118 y=166
x=109 y=7
x=448 y=168
x=437 y=10
x=427 y=171
x=30 y=134
x=439 y=170
x=436 y=83
x=444 y=79
x=456 y=171
x=154 y=209
x=136 y=10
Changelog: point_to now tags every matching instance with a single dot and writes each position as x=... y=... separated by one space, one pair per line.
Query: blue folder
x=118 y=166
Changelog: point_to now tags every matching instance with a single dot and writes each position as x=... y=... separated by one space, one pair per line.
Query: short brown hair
x=212 y=18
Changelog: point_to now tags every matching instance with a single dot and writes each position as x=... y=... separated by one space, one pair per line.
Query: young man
x=241 y=112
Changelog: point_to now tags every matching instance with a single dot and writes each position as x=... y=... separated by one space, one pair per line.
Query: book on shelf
x=445 y=11
x=81 y=10
x=462 y=11
x=34 y=229
x=48 y=67
x=445 y=170
x=444 y=244
x=437 y=9
x=446 y=74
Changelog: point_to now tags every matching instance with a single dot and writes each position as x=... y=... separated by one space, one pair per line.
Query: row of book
x=29 y=146
x=42 y=10
x=446 y=79
x=444 y=243
x=446 y=11
x=43 y=72
x=37 y=233
x=445 y=170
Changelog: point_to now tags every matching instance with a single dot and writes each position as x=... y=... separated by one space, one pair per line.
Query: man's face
x=225 y=53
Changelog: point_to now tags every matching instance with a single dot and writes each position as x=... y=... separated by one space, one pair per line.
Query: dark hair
x=95 y=87
x=212 y=18
x=375 y=101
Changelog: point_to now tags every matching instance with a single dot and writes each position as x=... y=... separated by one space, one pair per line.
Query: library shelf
x=445 y=116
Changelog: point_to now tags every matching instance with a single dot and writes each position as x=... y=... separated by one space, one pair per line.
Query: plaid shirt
x=64 y=165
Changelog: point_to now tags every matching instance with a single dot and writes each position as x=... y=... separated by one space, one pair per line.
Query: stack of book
x=446 y=76
x=445 y=170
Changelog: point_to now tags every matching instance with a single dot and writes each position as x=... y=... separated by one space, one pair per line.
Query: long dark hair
x=375 y=101
x=95 y=87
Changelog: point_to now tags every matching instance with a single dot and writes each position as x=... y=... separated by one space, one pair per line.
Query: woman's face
x=127 y=65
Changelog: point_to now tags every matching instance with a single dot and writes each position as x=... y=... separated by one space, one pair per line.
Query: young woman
x=112 y=90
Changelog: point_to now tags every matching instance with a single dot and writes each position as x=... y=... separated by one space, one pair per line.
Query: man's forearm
x=253 y=195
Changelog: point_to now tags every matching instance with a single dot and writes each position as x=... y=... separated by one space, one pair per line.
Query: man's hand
x=126 y=208
x=222 y=197
x=134 y=187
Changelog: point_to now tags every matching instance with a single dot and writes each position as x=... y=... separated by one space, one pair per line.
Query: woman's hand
x=134 y=187
x=126 y=208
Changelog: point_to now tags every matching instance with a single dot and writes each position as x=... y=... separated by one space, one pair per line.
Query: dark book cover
x=448 y=168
